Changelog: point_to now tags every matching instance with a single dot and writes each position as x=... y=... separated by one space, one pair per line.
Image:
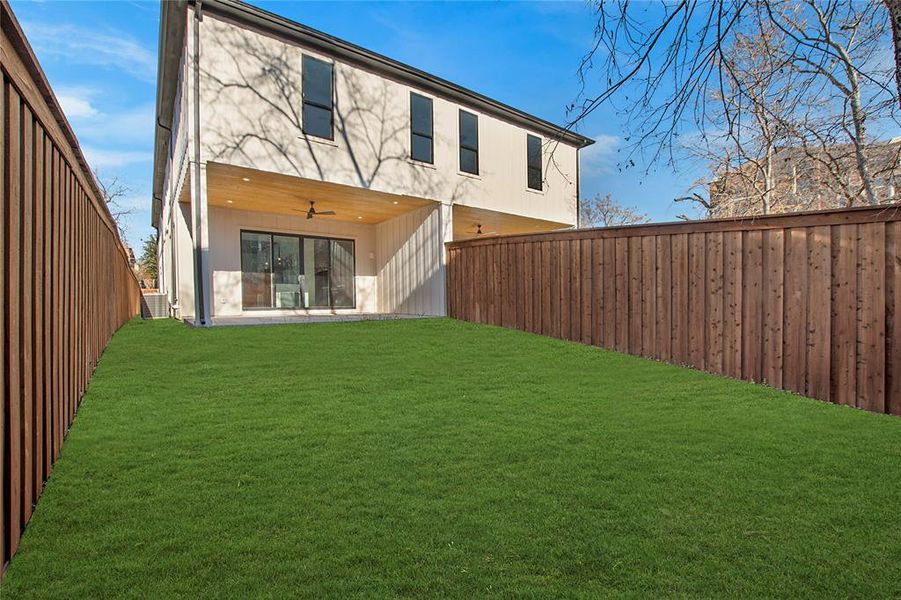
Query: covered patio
x=291 y=249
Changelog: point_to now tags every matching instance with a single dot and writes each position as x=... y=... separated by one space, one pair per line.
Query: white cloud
x=77 y=102
x=103 y=158
x=600 y=157
x=79 y=45
x=76 y=108
x=132 y=124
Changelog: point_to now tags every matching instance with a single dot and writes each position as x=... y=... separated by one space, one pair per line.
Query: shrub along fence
x=807 y=302
x=65 y=281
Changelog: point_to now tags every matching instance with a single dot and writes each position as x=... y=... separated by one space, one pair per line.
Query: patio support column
x=446 y=234
x=199 y=209
x=201 y=233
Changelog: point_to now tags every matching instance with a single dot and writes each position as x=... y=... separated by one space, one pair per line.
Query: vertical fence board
x=564 y=264
x=38 y=316
x=697 y=300
x=575 y=290
x=752 y=305
x=680 y=338
x=774 y=291
x=13 y=466
x=648 y=296
x=597 y=291
x=4 y=221
x=611 y=278
x=871 y=317
x=819 y=323
x=621 y=300
x=26 y=304
x=794 y=353
x=893 y=319
x=732 y=303
x=519 y=279
x=714 y=302
x=634 y=312
x=587 y=308
x=663 y=297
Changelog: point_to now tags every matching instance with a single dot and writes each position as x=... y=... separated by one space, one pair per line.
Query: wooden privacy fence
x=806 y=302
x=65 y=282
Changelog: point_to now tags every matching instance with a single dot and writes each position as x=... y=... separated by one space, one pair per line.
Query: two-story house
x=297 y=174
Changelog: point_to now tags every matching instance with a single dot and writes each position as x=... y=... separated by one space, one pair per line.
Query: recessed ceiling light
x=231 y=201
x=245 y=179
x=395 y=201
x=359 y=217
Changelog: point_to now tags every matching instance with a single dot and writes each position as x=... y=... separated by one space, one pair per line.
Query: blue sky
x=101 y=57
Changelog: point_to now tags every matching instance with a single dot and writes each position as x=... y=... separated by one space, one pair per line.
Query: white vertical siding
x=410 y=254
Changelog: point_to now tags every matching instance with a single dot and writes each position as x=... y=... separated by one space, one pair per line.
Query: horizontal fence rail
x=807 y=302
x=65 y=282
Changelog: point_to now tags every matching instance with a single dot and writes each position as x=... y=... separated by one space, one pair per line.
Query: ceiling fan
x=312 y=212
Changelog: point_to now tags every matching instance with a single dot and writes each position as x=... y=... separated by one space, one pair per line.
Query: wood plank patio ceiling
x=467 y=220
x=240 y=188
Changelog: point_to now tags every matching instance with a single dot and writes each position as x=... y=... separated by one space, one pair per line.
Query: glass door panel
x=286 y=271
x=256 y=270
x=315 y=283
x=342 y=271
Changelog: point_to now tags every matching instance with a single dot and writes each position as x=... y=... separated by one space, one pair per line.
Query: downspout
x=578 y=190
x=198 y=173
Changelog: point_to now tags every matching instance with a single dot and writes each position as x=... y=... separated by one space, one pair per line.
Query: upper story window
x=421 y=130
x=317 y=97
x=533 y=159
x=469 y=143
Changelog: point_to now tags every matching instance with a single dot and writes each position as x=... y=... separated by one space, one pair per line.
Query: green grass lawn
x=433 y=458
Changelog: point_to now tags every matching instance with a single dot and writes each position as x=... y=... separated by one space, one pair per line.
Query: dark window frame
x=430 y=136
x=304 y=102
x=530 y=168
x=475 y=149
x=301 y=237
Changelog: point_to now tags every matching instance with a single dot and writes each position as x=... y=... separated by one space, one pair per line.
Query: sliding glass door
x=291 y=271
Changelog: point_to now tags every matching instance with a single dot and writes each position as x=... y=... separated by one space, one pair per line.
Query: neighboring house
x=270 y=116
x=806 y=179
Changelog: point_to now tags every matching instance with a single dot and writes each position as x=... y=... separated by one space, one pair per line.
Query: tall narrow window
x=533 y=158
x=469 y=143
x=317 y=97
x=421 y=130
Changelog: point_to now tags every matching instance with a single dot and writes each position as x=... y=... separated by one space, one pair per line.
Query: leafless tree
x=741 y=140
x=604 y=211
x=894 y=9
x=742 y=78
x=114 y=193
x=836 y=51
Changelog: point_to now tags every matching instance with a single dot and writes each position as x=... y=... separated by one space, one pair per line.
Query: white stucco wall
x=250 y=115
